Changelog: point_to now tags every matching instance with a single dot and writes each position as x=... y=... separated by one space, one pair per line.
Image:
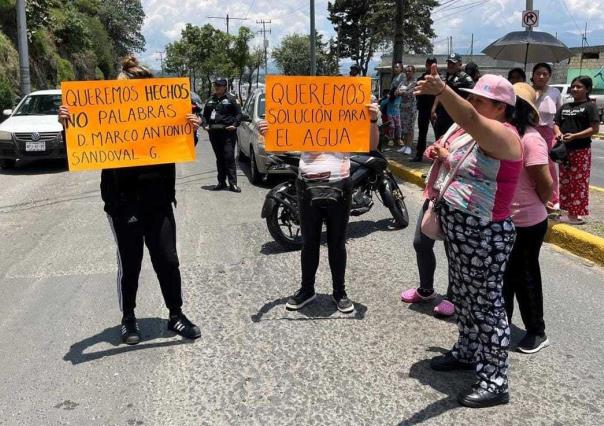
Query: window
x=261 y=105
x=40 y=105
x=590 y=55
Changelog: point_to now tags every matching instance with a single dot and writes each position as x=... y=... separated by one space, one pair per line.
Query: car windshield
x=261 y=106
x=40 y=105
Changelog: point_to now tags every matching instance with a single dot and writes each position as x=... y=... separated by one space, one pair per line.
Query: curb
x=574 y=240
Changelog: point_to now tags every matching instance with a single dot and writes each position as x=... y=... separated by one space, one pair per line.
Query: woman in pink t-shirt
x=523 y=274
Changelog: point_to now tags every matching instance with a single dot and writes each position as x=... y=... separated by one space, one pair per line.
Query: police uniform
x=218 y=114
x=459 y=80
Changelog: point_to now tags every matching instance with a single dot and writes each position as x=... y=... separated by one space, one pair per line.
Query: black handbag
x=559 y=152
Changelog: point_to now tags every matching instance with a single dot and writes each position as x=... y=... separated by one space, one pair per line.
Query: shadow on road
x=449 y=383
x=151 y=329
x=36 y=167
x=322 y=308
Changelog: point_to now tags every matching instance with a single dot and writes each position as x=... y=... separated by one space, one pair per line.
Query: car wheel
x=8 y=164
x=255 y=176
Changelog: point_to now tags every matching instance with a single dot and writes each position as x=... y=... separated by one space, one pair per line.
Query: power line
x=227 y=19
x=465 y=9
x=463 y=6
x=584 y=37
x=252 y=4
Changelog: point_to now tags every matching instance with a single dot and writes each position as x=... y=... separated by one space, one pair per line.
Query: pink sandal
x=413 y=296
x=444 y=308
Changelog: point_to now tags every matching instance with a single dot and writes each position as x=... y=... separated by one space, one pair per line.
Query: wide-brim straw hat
x=525 y=92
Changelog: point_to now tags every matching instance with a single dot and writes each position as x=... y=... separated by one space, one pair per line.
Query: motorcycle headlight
x=5 y=136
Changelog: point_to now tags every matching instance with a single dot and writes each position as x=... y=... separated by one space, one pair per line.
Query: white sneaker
x=401 y=150
x=407 y=150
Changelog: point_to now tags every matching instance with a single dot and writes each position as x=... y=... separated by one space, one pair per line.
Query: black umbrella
x=528 y=47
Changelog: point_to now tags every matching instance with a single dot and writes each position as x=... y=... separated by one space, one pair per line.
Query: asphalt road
x=255 y=363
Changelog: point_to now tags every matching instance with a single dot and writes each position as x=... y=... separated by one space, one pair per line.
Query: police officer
x=221 y=116
x=456 y=79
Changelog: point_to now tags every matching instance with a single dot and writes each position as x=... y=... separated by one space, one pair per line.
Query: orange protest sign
x=317 y=113
x=125 y=123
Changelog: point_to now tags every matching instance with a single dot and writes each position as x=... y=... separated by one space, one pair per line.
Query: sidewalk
x=586 y=241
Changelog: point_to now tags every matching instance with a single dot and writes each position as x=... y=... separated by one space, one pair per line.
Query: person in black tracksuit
x=138 y=202
x=424 y=109
x=221 y=117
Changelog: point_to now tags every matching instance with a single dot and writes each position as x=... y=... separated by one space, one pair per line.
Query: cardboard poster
x=125 y=123
x=317 y=113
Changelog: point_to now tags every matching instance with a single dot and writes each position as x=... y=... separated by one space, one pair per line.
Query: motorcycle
x=369 y=174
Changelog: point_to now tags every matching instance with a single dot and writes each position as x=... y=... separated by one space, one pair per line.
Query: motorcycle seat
x=375 y=161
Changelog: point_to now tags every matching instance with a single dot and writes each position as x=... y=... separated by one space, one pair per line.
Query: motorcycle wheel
x=284 y=229
x=395 y=201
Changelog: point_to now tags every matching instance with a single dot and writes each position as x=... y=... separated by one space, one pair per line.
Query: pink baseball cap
x=494 y=87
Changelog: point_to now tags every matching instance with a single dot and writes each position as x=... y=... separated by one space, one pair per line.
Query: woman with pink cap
x=485 y=156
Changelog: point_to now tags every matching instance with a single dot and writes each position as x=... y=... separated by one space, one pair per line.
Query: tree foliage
x=363 y=26
x=81 y=39
x=205 y=52
x=292 y=56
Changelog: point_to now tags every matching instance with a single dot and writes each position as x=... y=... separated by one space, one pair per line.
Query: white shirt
x=334 y=166
x=548 y=103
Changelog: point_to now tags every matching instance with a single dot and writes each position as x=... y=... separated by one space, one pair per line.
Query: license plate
x=35 y=146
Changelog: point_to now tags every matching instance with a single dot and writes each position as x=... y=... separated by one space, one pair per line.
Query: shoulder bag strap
x=453 y=172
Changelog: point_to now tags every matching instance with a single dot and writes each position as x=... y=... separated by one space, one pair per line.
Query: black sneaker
x=343 y=303
x=300 y=299
x=180 y=324
x=234 y=188
x=131 y=334
x=532 y=343
x=448 y=362
x=481 y=398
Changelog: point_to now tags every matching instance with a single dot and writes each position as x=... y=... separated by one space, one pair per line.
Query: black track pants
x=523 y=278
x=157 y=230
x=336 y=219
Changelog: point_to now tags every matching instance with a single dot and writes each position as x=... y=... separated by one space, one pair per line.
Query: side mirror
x=7 y=112
x=246 y=118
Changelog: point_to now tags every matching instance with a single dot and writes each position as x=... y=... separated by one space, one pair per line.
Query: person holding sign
x=324 y=192
x=474 y=211
x=221 y=116
x=138 y=202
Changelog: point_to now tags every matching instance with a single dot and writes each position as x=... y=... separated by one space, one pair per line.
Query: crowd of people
x=492 y=187
x=488 y=194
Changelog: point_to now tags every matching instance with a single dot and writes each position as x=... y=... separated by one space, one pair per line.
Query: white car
x=32 y=129
x=249 y=140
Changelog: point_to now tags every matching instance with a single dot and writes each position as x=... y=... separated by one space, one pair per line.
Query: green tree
x=240 y=54
x=292 y=56
x=363 y=26
x=123 y=20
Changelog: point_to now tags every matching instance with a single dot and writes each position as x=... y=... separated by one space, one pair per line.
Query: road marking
x=596 y=188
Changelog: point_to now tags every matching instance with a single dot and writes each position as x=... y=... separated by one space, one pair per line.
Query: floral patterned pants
x=478 y=253
x=574 y=182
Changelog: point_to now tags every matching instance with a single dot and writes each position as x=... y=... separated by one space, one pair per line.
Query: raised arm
x=491 y=135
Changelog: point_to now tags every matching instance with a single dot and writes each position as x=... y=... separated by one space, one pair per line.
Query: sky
x=487 y=20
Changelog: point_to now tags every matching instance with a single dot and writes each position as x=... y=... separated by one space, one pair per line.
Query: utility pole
x=583 y=43
x=472 y=48
x=161 y=62
x=23 y=49
x=227 y=19
x=397 y=53
x=313 y=40
x=265 y=42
